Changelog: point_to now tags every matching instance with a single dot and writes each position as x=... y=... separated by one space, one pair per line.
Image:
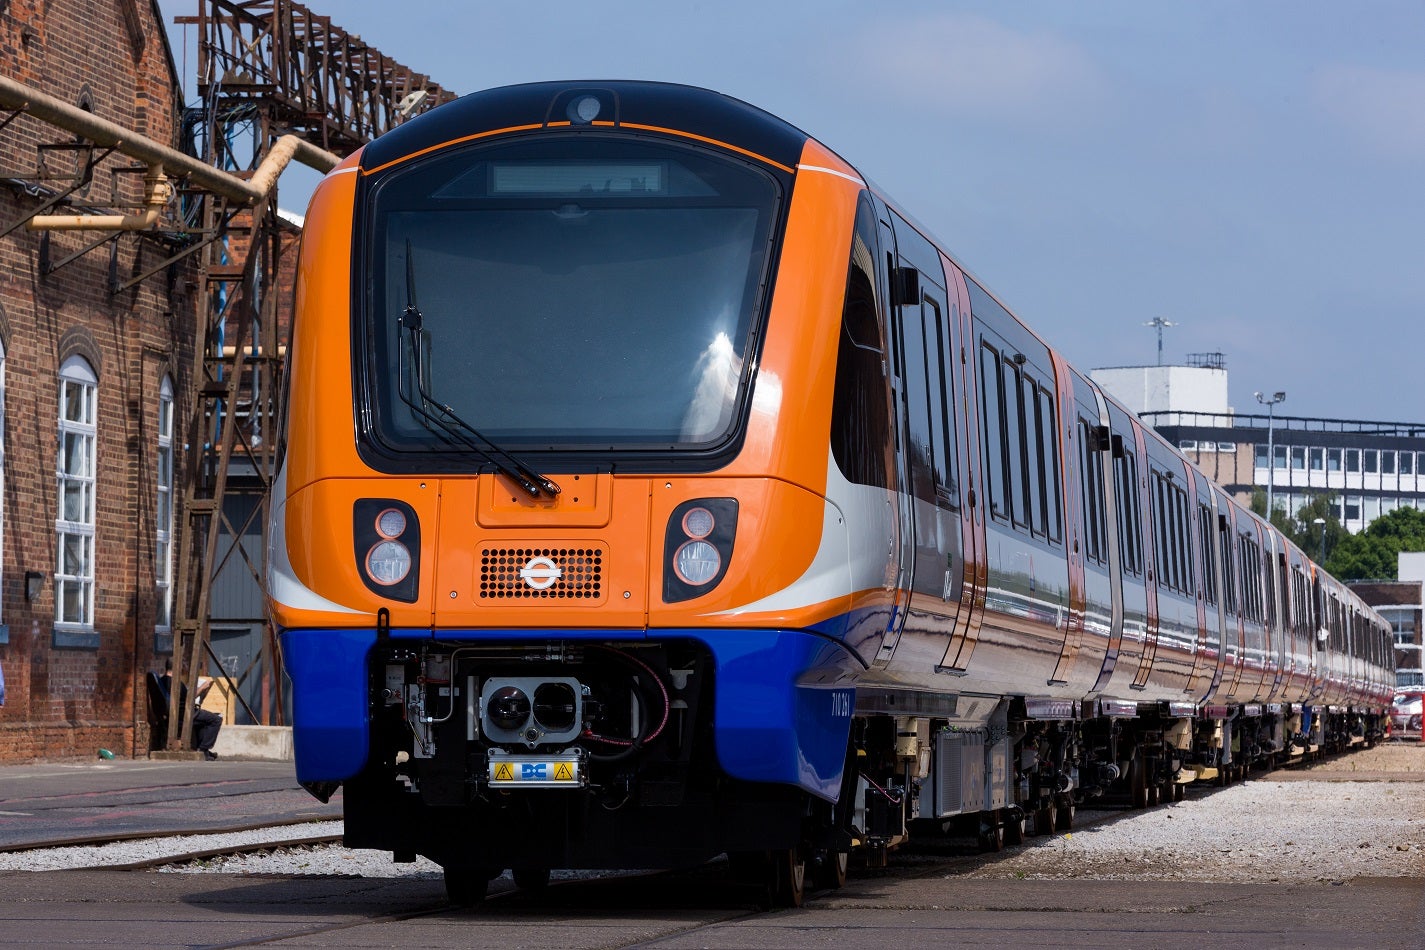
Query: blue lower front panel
x=329 y=701
x=781 y=706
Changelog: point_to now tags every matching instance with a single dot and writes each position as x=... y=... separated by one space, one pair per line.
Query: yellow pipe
x=157 y=192
x=15 y=95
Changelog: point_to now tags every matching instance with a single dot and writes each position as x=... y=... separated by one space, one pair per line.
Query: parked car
x=1405 y=712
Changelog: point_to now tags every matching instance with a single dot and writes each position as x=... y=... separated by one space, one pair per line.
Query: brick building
x=93 y=387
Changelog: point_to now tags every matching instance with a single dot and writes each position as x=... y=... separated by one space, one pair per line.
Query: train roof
x=656 y=105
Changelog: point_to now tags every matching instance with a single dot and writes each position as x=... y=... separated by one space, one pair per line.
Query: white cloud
x=1385 y=109
x=968 y=65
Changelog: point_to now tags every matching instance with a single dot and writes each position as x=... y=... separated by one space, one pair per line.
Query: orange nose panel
x=584 y=501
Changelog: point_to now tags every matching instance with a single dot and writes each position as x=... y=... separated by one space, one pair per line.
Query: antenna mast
x=1160 y=324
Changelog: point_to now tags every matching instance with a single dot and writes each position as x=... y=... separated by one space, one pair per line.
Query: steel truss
x=266 y=70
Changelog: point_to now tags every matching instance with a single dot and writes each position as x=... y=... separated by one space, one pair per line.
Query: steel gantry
x=269 y=73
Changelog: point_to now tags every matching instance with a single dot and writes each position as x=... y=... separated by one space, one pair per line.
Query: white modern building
x=1370 y=468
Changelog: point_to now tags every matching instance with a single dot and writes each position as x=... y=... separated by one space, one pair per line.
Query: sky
x=1252 y=172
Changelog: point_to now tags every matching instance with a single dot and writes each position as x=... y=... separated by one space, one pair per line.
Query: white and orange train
x=654 y=489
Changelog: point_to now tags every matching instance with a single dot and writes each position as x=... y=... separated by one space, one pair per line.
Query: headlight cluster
x=697 y=547
x=388 y=547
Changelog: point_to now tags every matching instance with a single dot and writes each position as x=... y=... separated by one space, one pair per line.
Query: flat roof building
x=1370 y=468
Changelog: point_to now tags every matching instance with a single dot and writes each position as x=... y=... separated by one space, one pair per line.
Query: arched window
x=74 y=526
x=163 y=514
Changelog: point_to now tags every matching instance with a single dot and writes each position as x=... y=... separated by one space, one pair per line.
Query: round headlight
x=583 y=110
x=388 y=563
x=696 y=563
x=698 y=523
x=391 y=523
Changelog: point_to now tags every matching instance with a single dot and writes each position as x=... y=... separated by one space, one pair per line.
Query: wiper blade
x=414 y=345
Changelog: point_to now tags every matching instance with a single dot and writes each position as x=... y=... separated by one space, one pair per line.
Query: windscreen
x=572 y=292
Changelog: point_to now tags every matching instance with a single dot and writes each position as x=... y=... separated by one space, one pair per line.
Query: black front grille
x=581 y=572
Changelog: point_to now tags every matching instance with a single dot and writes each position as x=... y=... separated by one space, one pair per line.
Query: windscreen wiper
x=414 y=345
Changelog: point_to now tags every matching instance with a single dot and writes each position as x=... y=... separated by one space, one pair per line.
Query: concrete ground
x=54 y=801
x=131 y=909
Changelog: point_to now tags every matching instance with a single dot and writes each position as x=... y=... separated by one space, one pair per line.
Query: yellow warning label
x=503 y=772
x=562 y=773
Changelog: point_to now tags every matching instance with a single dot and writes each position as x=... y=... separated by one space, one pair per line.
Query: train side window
x=1251 y=581
x=920 y=437
x=860 y=409
x=1100 y=522
x=1125 y=494
x=943 y=433
x=1091 y=480
x=1034 y=455
x=1162 y=519
x=1206 y=535
x=1270 y=576
x=1189 y=579
x=1175 y=563
x=1229 y=571
x=992 y=419
x=1259 y=609
x=1014 y=442
x=1282 y=591
x=1049 y=445
x=1248 y=603
x=1160 y=527
x=1177 y=500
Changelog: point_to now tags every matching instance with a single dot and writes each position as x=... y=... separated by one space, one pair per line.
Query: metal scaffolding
x=266 y=70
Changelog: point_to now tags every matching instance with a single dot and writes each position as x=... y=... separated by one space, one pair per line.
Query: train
x=654 y=488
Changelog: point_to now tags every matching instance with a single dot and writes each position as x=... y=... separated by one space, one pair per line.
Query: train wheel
x=1014 y=826
x=465 y=887
x=1138 y=783
x=991 y=833
x=1064 y=821
x=831 y=869
x=1045 y=818
x=1154 y=794
x=532 y=880
x=789 y=868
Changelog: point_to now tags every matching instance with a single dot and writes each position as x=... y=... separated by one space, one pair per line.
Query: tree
x=1302 y=528
x=1372 y=554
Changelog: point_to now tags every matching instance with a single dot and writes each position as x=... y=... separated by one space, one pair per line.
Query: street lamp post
x=1321 y=523
x=1271 y=447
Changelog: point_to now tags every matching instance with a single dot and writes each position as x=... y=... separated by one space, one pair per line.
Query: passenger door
x=904 y=548
x=926 y=433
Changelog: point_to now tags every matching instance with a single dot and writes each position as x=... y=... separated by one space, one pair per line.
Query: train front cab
x=652 y=663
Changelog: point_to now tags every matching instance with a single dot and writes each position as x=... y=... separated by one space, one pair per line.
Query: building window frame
x=163 y=516
x=76 y=474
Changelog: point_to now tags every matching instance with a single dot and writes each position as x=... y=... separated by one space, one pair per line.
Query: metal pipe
x=156 y=191
x=102 y=132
